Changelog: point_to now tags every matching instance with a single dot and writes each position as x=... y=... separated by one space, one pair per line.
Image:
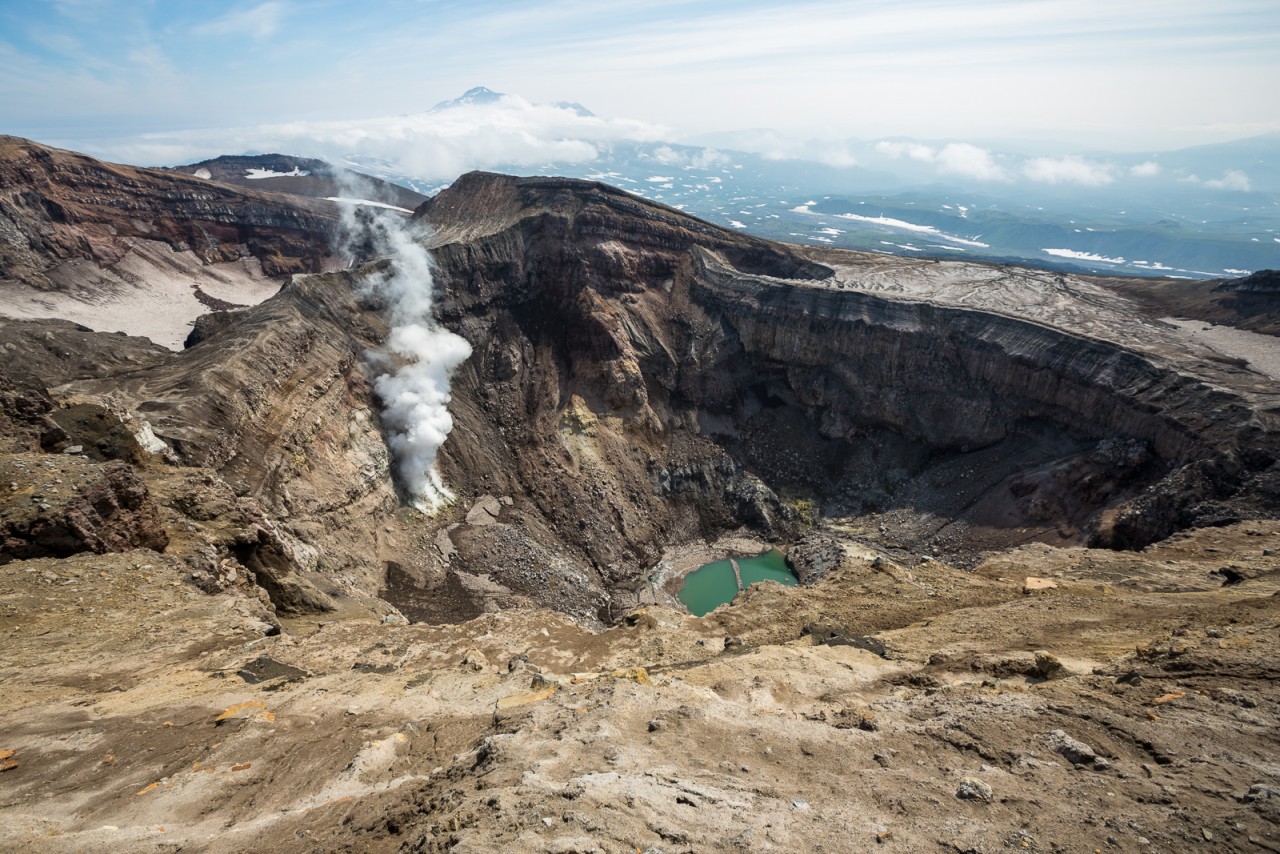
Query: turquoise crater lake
x=714 y=584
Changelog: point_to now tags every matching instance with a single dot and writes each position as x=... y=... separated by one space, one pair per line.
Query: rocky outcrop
x=278 y=402
x=25 y=408
x=641 y=378
x=299 y=176
x=814 y=555
x=230 y=540
x=1251 y=302
x=53 y=352
x=62 y=505
x=1263 y=282
x=599 y=318
x=57 y=205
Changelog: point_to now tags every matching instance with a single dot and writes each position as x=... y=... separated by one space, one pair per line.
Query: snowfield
x=269 y=173
x=367 y=202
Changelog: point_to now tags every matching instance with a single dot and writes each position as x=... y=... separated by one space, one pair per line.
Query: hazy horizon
x=1077 y=76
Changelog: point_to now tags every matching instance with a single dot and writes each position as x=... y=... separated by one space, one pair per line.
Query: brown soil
x=144 y=715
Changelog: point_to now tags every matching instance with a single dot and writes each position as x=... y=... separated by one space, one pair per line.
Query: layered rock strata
x=640 y=378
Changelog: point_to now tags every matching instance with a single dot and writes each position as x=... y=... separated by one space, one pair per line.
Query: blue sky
x=1088 y=73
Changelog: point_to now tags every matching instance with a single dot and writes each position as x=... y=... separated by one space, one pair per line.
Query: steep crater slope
x=1000 y=423
x=642 y=379
x=636 y=371
x=59 y=205
x=120 y=248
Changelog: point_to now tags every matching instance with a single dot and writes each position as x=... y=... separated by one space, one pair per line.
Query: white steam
x=419 y=356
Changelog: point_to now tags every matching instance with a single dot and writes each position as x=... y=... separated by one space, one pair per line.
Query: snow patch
x=368 y=202
x=890 y=222
x=1082 y=256
x=150 y=442
x=255 y=174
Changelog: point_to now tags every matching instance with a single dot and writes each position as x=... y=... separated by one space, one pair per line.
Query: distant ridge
x=477 y=95
x=300 y=176
x=473 y=96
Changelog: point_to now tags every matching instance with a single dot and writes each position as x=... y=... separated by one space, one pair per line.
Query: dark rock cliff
x=948 y=381
x=641 y=378
x=57 y=205
x=603 y=322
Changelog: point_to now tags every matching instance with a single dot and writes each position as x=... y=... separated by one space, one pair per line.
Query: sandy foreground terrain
x=1128 y=704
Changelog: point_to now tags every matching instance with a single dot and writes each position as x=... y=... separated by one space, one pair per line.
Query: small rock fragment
x=973 y=789
x=1048 y=666
x=1075 y=751
x=244 y=711
x=1032 y=584
x=475 y=660
x=260 y=627
x=1260 y=792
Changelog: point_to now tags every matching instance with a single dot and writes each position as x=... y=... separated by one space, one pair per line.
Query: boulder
x=64 y=505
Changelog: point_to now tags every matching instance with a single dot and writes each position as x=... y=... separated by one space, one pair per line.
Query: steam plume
x=414 y=388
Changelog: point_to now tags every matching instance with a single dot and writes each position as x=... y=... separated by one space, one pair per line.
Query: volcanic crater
x=1034 y=522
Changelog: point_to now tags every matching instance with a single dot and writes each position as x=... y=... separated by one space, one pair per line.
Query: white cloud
x=960 y=158
x=701 y=158
x=510 y=133
x=1145 y=170
x=912 y=150
x=956 y=158
x=1069 y=170
x=777 y=145
x=1232 y=179
x=260 y=22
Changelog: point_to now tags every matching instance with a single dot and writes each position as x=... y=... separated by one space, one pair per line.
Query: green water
x=713 y=584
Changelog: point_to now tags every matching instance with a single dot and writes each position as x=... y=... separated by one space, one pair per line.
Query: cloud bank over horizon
x=1091 y=73
x=430 y=145
x=512 y=133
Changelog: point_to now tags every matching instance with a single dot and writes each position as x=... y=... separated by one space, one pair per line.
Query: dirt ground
x=1130 y=704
